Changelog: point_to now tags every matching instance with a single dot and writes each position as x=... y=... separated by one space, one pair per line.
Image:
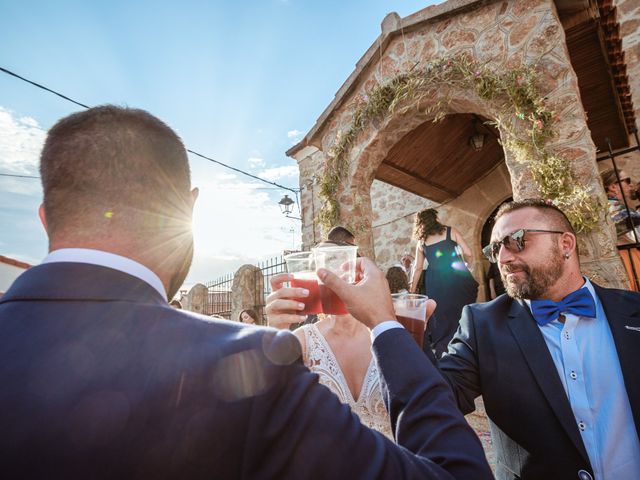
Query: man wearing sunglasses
x=555 y=359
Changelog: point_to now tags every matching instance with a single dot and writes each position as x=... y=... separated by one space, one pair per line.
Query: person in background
x=101 y=379
x=341 y=236
x=407 y=263
x=397 y=279
x=448 y=280
x=249 y=316
x=627 y=222
x=338 y=349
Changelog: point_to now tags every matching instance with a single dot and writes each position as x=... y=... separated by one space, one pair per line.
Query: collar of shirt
x=587 y=284
x=109 y=260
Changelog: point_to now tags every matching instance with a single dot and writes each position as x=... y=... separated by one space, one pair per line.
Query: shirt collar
x=587 y=284
x=109 y=260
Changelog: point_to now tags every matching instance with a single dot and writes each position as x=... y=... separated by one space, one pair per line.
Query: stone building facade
x=504 y=35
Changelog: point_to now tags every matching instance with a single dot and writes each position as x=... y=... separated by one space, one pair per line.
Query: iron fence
x=268 y=268
x=219 y=290
x=219 y=296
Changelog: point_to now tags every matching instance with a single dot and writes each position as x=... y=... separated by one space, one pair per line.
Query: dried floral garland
x=525 y=123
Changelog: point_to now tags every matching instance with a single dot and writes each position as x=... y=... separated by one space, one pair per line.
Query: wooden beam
x=419 y=179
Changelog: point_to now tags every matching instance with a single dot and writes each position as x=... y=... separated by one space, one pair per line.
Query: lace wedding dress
x=369 y=406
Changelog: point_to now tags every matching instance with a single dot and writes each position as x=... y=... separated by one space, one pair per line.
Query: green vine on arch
x=525 y=122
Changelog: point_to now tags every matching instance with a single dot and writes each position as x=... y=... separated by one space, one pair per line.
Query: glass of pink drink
x=340 y=260
x=411 y=310
x=302 y=266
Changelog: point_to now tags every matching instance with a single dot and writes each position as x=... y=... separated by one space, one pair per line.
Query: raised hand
x=281 y=309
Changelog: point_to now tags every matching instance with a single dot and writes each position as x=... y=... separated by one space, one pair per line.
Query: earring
x=566 y=255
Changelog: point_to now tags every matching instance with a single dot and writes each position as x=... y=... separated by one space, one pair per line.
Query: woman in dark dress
x=447 y=278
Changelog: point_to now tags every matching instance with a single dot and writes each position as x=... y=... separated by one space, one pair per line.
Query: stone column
x=198 y=299
x=247 y=291
x=310 y=162
x=559 y=83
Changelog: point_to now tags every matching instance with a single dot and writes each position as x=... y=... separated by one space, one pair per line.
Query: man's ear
x=43 y=218
x=568 y=243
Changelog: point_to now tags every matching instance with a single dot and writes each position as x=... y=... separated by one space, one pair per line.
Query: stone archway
x=502 y=35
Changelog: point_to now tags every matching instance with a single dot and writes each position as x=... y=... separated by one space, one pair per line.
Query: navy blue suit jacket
x=100 y=378
x=499 y=352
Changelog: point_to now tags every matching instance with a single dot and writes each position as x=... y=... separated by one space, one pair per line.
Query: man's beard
x=536 y=280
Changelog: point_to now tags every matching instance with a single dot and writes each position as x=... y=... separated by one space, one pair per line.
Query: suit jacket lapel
x=623 y=314
x=537 y=355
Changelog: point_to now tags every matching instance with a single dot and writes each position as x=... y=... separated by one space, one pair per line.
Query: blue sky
x=239 y=81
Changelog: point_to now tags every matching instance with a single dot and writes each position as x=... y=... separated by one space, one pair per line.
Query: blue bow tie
x=578 y=303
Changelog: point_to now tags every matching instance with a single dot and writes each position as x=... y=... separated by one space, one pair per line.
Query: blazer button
x=584 y=475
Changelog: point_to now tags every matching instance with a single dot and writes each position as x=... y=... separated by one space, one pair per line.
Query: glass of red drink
x=340 y=260
x=302 y=266
x=411 y=310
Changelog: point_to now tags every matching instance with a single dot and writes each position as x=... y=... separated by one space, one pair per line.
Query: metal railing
x=219 y=296
x=268 y=268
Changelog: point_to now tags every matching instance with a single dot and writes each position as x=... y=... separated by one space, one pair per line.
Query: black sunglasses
x=514 y=242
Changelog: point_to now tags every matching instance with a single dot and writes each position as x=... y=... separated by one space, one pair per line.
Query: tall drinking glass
x=340 y=260
x=411 y=310
x=302 y=266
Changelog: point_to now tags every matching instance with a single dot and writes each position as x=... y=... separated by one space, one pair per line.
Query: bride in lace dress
x=338 y=349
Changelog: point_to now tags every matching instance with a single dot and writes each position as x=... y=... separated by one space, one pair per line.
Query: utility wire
x=242 y=171
x=17 y=176
x=9 y=72
x=223 y=187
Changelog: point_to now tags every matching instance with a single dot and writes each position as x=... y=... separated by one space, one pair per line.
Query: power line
x=223 y=187
x=17 y=176
x=9 y=72
x=241 y=171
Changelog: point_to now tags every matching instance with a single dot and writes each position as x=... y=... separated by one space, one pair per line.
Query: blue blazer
x=100 y=378
x=499 y=352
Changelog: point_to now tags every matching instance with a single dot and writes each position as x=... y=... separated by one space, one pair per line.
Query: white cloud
x=276 y=173
x=294 y=134
x=21 y=141
x=235 y=223
x=256 y=162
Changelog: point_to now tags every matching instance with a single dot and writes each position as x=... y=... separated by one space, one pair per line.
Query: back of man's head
x=112 y=172
x=341 y=235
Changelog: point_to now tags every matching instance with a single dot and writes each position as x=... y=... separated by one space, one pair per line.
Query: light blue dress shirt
x=586 y=359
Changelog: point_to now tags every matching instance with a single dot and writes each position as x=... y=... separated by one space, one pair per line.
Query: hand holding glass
x=411 y=310
x=302 y=267
x=340 y=260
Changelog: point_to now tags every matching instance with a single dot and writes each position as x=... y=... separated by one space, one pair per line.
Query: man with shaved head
x=555 y=359
x=101 y=378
